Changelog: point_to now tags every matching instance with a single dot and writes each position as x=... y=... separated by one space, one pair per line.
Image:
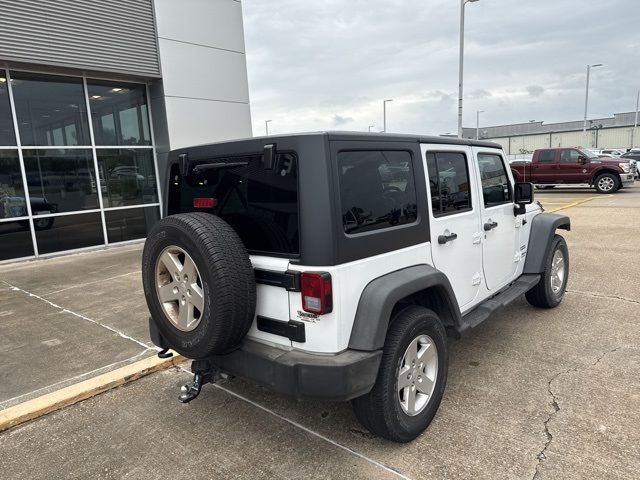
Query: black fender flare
x=382 y=294
x=543 y=228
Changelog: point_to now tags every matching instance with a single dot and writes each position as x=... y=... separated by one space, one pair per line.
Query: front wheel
x=549 y=291
x=411 y=379
x=607 y=183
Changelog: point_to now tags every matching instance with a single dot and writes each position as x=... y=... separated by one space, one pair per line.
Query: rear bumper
x=302 y=375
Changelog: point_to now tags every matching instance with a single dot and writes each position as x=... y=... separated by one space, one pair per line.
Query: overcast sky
x=328 y=64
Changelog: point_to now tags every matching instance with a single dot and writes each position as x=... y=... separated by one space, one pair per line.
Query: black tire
x=542 y=295
x=228 y=282
x=43 y=223
x=380 y=410
x=615 y=179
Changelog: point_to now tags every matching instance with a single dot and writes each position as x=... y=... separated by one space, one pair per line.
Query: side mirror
x=523 y=195
x=582 y=160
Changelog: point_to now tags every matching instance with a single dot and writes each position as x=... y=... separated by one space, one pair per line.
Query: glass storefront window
x=7 y=135
x=51 y=110
x=119 y=113
x=60 y=180
x=69 y=232
x=131 y=223
x=12 y=199
x=15 y=240
x=127 y=177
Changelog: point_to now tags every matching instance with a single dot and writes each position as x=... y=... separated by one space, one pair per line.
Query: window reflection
x=127 y=177
x=12 y=199
x=70 y=232
x=377 y=190
x=15 y=240
x=61 y=180
x=51 y=110
x=119 y=113
x=7 y=135
x=131 y=223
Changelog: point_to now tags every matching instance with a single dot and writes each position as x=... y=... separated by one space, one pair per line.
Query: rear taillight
x=315 y=288
x=204 y=202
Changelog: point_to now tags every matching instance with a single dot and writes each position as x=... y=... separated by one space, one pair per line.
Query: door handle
x=490 y=226
x=442 y=239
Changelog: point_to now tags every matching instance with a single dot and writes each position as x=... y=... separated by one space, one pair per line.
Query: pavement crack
x=611 y=297
x=542 y=455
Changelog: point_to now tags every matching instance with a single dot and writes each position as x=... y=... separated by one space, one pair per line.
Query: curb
x=84 y=390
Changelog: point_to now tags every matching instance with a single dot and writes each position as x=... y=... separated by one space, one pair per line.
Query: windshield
x=587 y=153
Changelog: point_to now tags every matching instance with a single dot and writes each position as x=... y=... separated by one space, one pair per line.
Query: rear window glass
x=261 y=205
x=377 y=190
x=546 y=156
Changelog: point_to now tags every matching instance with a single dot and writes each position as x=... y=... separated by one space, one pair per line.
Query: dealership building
x=521 y=139
x=93 y=96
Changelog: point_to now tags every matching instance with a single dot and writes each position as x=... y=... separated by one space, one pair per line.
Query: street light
x=384 y=114
x=635 y=123
x=460 y=75
x=370 y=127
x=586 y=99
x=478 y=123
x=266 y=126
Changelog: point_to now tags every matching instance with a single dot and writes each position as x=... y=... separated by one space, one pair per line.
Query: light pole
x=635 y=123
x=384 y=114
x=586 y=100
x=370 y=127
x=478 y=123
x=266 y=127
x=460 y=68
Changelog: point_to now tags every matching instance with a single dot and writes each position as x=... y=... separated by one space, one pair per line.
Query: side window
x=569 y=155
x=449 y=183
x=496 y=189
x=377 y=190
x=546 y=156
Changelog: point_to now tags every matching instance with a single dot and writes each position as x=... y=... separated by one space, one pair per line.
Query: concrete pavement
x=531 y=394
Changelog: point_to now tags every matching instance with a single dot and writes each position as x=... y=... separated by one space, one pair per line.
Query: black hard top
x=362 y=137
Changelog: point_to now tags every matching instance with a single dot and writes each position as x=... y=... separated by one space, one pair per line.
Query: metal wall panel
x=99 y=35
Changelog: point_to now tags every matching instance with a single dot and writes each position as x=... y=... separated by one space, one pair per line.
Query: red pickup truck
x=555 y=166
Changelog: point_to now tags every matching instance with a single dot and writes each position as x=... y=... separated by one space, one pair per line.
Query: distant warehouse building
x=524 y=138
x=93 y=95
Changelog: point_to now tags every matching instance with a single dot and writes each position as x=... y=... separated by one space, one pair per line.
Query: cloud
x=535 y=90
x=339 y=120
x=328 y=63
x=478 y=94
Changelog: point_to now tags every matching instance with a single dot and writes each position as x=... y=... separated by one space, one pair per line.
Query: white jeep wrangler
x=333 y=265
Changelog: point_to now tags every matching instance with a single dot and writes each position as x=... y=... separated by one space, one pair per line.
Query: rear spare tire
x=199 y=284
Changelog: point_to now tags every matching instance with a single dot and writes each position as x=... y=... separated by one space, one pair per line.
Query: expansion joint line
x=65 y=310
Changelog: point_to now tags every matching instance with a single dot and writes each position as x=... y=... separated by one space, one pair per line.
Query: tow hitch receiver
x=203 y=372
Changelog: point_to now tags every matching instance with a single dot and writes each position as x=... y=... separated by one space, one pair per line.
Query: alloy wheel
x=557 y=271
x=179 y=288
x=417 y=375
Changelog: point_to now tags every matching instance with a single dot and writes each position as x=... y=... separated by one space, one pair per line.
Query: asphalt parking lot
x=530 y=394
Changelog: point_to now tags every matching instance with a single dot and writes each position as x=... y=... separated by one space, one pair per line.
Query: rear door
x=261 y=204
x=455 y=219
x=500 y=249
x=545 y=168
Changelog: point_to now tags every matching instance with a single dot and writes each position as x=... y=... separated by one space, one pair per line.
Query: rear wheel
x=607 y=183
x=411 y=379
x=549 y=291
